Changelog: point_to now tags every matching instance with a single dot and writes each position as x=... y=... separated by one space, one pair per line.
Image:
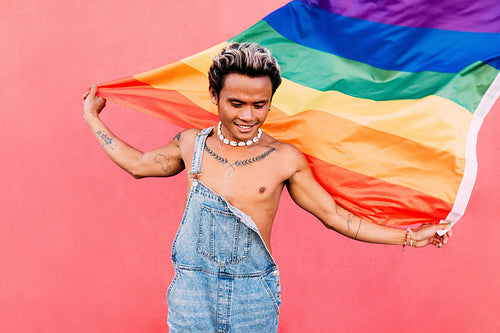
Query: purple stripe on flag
x=459 y=15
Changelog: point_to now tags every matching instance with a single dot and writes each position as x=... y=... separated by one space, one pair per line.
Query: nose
x=247 y=114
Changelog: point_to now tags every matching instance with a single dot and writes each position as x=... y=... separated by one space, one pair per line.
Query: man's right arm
x=311 y=196
x=162 y=162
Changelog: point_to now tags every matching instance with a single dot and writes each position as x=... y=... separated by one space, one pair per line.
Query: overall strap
x=198 y=151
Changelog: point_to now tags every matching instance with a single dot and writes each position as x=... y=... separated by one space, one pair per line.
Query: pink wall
x=86 y=248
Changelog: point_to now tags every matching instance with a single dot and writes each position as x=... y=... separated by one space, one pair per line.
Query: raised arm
x=308 y=194
x=162 y=162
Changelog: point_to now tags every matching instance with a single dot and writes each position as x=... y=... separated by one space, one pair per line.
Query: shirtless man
x=225 y=277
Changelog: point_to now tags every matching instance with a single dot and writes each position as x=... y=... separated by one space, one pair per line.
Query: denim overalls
x=225 y=278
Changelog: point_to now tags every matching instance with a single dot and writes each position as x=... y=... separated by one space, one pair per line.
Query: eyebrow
x=242 y=102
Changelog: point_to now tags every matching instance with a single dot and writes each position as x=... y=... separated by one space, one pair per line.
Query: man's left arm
x=311 y=196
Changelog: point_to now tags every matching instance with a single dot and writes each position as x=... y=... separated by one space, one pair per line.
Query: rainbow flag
x=385 y=102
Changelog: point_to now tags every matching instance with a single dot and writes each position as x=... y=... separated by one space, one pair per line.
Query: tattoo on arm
x=163 y=161
x=177 y=137
x=106 y=140
x=359 y=226
x=349 y=221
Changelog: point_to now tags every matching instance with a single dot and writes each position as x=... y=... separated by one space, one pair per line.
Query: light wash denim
x=225 y=278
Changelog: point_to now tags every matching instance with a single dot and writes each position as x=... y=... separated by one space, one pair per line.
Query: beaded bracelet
x=408 y=231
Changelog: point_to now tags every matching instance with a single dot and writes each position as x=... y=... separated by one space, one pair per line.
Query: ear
x=213 y=96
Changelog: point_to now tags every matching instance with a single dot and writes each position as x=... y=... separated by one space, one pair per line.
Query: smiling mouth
x=245 y=127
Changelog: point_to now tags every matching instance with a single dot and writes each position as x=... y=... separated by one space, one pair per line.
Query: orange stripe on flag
x=373 y=153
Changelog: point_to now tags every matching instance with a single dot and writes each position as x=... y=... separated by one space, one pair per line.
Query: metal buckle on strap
x=195 y=175
x=205 y=131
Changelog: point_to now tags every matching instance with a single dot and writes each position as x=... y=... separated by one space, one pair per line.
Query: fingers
x=84 y=97
x=439 y=237
x=92 y=104
x=91 y=93
x=446 y=236
x=435 y=234
x=440 y=241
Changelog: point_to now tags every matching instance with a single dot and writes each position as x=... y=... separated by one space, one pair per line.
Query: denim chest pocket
x=222 y=237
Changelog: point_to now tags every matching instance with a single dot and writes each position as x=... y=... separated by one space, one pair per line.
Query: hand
x=427 y=234
x=92 y=105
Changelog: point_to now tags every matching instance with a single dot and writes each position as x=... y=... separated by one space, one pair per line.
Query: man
x=225 y=277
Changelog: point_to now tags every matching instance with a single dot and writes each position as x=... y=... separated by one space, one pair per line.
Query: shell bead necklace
x=235 y=143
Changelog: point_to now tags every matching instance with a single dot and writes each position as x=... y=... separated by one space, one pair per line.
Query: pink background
x=86 y=248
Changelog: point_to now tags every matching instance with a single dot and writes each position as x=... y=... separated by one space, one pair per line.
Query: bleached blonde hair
x=248 y=59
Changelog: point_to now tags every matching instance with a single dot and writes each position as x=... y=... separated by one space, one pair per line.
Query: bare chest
x=244 y=181
x=251 y=180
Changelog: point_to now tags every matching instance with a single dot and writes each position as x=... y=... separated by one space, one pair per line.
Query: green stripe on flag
x=324 y=71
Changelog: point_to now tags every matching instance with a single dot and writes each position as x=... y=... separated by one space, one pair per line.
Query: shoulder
x=186 y=137
x=288 y=154
x=185 y=140
x=187 y=134
x=286 y=149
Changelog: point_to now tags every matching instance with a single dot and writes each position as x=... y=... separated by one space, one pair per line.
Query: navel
x=262 y=189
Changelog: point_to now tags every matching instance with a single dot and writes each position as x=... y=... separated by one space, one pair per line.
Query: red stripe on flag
x=377 y=200
x=127 y=82
x=167 y=105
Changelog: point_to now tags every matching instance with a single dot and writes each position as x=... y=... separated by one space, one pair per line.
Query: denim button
x=195 y=183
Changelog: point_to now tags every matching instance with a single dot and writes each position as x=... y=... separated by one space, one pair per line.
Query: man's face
x=243 y=105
